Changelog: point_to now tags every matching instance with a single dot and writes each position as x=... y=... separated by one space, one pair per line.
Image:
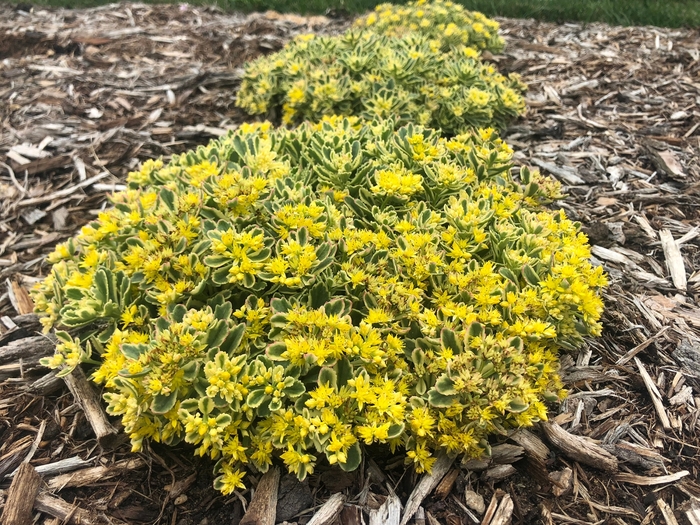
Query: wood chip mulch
x=86 y=95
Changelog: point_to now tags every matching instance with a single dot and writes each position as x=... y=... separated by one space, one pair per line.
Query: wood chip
x=329 y=510
x=674 y=260
x=579 y=448
x=666 y=512
x=648 y=481
x=655 y=395
x=425 y=486
x=85 y=394
x=68 y=513
x=262 y=508
x=388 y=514
x=20 y=498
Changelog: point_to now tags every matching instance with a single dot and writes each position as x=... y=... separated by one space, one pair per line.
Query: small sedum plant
x=361 y=73
x=290 y=295
x=448 y=23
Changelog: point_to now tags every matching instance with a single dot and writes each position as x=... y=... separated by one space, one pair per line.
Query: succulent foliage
x=408 y=78
x=444 y=21
x=295 y=294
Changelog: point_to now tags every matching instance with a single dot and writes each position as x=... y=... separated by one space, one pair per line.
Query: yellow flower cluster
x=298 y=294
x=445 y=21
x=412 y=76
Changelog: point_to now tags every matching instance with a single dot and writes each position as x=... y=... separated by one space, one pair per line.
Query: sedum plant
x=361 y=73
x=290 y=295
x=448 y=23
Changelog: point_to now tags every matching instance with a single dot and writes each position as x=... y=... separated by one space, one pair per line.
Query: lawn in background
x=666 y=13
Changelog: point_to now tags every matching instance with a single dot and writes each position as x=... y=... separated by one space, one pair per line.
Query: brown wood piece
x=580 y=449
x=263 y=508
x=67 y=513
x=425 y=486
x=20 y=499
x=88 y=476
x=388 y=514
x=445 y=486
x=504 y=513
x=19 y=297
x=328 y=513
x=43 y=165
x=89 y=400
x=28 y=349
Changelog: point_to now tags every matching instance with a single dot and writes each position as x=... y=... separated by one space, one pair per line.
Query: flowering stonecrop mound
x=447 y=22
x=361 y=73
x=294 y=294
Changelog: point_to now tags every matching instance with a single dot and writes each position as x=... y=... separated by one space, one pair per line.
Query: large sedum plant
x=361 y=73
x=448 y=23
x=295 y=294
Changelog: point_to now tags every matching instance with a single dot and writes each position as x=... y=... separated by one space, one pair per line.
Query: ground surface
x=86 y=95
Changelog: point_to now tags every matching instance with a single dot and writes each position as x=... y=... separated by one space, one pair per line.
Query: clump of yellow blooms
x=410 y=78
x=289 y=295
x=445 y=21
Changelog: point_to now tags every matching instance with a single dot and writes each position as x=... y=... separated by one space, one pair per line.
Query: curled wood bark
x=580 y=449
x=84 y=394
x=20 y=500
x=263 y=508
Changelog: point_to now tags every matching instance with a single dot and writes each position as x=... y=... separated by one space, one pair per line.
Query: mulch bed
x=86 y=95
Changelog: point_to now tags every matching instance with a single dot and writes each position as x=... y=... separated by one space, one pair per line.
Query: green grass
x=665 y=13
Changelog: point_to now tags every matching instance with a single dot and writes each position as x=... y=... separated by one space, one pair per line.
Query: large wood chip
x=425 y=486
x=329 y=511
x=20 y=499
x=654 y=394
x=674 y=260
x=263 y=508
x=580 y=449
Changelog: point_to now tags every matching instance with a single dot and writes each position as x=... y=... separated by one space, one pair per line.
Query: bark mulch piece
x=86 y=95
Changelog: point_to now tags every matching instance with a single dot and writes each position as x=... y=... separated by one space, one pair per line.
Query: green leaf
x=167 y=197
x=190 y=370
x=450 y=341
x=162 y=404
x=445 y=385
x=255 y=398
x=475 y=330
x=421 y=386
x=354 y=458
x=133 y=351
x=439 y=400
x=216 y=334
x=344 y=370
x=396 y=430
x=275 y=405
x=328 y=376
x=418 y=357
x=206 y=405
x=530 y=275
x=319 y=295
x=517 y=405
x=509 y=274
x=223 y=311
x=295 y=390
x=233 y=339
x=275 y=351
x=189 y=405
